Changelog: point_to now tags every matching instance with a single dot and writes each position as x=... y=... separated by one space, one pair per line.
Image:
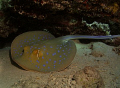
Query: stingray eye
x=35 y=52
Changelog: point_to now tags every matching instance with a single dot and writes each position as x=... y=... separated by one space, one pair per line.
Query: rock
x=89 y=77
x=98 y=49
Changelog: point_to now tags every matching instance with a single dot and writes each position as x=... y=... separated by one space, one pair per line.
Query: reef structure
x=61 y=17
x=64 y=17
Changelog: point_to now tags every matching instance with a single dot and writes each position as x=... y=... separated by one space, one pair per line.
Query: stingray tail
x=68 y=37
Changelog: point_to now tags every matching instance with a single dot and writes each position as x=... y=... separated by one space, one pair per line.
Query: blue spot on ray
x=51 y=47
x=54 y=61
x=54 y=54
x=47 y=53
x=60 y=56
x=37 y=61
x=47 y=62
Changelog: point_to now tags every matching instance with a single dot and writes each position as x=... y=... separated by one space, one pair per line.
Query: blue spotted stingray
x=41 y=51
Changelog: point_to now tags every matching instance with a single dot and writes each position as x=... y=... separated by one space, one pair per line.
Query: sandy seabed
x=96 y=65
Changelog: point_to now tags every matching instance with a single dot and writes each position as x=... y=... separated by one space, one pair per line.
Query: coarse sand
x=96 y=65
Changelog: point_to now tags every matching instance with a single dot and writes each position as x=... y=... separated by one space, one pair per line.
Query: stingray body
x=41 y=51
